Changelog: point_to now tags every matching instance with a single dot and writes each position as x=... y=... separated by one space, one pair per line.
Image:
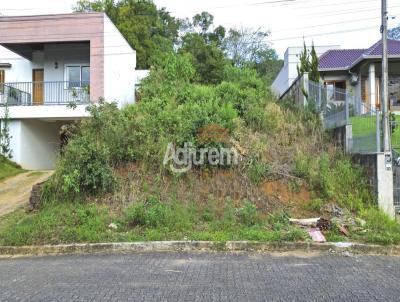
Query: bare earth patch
x=15 y=191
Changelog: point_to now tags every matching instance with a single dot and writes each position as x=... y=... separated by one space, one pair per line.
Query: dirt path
x=15 y=191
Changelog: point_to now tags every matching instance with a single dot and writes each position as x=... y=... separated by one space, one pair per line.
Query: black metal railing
x=44 y=93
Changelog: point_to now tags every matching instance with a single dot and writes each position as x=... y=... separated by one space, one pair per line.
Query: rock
x=347 y=254
x=36 y=196
x=113 y=226
x=361 y=222
x=333 y=210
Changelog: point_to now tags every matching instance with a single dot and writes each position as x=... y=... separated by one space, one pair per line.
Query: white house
x=50 y=61
x=288 y=74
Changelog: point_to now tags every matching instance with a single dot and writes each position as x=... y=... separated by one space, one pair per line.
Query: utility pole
x=385 y=80
x=384 y=160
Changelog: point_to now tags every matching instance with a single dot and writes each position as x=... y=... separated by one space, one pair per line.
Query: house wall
x=119 y=66
x=76 y=53
x=21 y=69
x=341 y=76
x=62 y=28
x=288 y=73
x=62 y=54
x=35 y=143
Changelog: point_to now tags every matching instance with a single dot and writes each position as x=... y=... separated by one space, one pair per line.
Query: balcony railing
x=44 y=93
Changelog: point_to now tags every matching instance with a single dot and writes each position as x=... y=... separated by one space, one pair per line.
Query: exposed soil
x=15 y=191
x=292 y=199
x=212 y=187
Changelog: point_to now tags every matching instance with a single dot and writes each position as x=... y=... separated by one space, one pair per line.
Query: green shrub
x=278 y=221
x=258 y=171
x=247 y=214
x=84 y=169
x=315 y=205
x=336 y=179
x=151 y=213
x=380 y=228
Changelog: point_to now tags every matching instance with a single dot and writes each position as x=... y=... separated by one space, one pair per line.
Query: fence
x=339 y=108
x=44 y=93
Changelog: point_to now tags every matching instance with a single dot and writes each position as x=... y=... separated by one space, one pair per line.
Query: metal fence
x=44 y=93
x=340 y=107
x=366 y=129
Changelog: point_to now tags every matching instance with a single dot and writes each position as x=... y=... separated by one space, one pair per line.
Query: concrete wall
x=35 y=143
x=119 y=66
x=380 y=175
x=385 y=184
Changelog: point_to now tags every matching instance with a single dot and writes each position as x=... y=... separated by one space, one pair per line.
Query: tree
x=203 y=44
x=248 y=48
x=5 y=136
x=150 y=31
x=245 y=45
x=304 y=61
x=203 y=21
x=207 y=59
x=314 y=72
x=308 y=62
x=394 y=33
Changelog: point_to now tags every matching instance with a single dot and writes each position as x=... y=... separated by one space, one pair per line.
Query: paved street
x=200 y=277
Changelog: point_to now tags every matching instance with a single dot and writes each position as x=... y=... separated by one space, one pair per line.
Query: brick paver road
x=200 y=277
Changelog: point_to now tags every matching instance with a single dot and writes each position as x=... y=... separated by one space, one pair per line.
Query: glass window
x=77 y=76
x=330 y=89
x=85 y=76
x=74 y=76
x=336 y=90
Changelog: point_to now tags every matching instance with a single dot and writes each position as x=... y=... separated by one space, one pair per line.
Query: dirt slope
x=15 y=191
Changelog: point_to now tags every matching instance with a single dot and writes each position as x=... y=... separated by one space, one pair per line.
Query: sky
x=349 y=24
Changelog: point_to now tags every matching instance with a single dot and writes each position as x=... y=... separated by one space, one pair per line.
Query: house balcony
x=44 y=93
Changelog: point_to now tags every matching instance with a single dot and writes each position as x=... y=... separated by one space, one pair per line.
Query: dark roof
x=376 y=49
x=339 y=59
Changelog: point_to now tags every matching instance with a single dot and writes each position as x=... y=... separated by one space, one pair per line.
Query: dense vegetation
x=112 y=169
x=152 y=32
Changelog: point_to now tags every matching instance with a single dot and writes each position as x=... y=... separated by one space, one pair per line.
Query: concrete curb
x=180 y=246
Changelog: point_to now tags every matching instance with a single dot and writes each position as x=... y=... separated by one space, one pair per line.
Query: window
x=336 y=90
x=77 y=76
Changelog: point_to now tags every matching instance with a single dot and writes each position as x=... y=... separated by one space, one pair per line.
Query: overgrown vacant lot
x=111 y=185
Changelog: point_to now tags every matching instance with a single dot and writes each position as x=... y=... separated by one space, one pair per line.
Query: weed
x=247 y=214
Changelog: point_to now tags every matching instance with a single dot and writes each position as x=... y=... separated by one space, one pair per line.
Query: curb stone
x=185 y=246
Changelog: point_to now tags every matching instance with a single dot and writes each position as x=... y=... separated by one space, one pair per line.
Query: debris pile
x=334 y=217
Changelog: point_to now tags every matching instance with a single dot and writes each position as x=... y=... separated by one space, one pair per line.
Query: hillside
x=124 y=176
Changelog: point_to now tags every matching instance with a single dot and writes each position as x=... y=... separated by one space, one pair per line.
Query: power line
x=344 y=12
x=326 y=24
x=327 y=33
